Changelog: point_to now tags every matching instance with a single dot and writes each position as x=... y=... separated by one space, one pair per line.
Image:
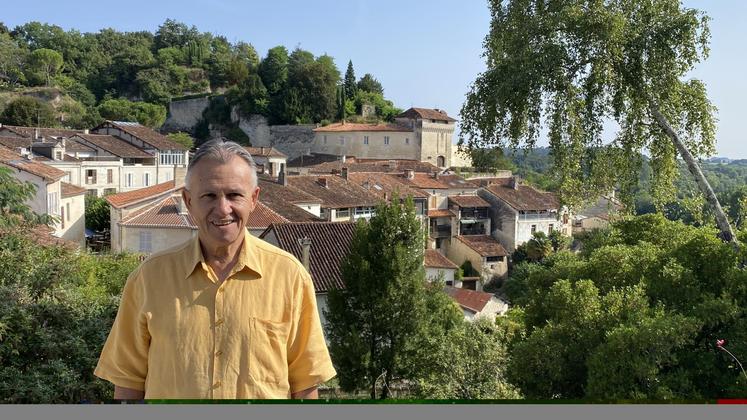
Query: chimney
x=261 y=151
x=305 y=243
x=409 y=174
x=323 y=182
x=514 y=183
x=180 y=173
x=282 y=177
x=345 y=172
x=343 y=158
x=86 y=131
x=181 y=205
x=436 y=175
x=36 y=134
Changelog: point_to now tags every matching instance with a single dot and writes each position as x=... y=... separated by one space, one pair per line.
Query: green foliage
x=575 y=64
x=12 y=60
x=490 y=159
x=634 y=316
x=150 y=115
x=182 y=138
x=368 y=83
x=536 y=249
x=44 y=65
x=29 y=112
x=351 y=88
x=14 y=195
x=97 y=213
x=385 y=109
x=380 y=325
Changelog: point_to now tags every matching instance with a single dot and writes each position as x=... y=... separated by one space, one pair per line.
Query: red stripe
x=731 y=401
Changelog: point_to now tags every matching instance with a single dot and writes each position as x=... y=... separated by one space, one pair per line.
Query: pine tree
x=350 y=84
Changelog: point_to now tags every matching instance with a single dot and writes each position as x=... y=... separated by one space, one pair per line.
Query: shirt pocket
x=268 y=360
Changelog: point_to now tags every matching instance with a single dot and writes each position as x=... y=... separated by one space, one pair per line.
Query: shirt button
x=217 y=385
x=221 y=290
x=218 y=353
x=218 y=322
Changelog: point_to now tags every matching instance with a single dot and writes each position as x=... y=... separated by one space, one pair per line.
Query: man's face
x=220 y=198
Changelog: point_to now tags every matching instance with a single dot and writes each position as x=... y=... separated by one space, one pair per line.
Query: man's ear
x=255 y=197
x=187 y=199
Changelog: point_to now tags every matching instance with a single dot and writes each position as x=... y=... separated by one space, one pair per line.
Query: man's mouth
x=222 y=222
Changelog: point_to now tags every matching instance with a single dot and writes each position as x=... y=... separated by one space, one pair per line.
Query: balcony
x=440 y=231
x=526 y=217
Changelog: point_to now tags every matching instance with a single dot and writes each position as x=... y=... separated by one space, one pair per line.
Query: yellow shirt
x=178 y=334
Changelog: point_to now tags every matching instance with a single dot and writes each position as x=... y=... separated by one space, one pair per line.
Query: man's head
x=220 y=191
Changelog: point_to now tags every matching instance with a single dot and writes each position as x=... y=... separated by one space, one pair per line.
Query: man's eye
x=208 y=195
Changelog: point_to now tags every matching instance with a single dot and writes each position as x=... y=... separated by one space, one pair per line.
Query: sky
x=425 y=53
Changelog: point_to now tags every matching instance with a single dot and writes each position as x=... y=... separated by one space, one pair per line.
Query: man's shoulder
x=168 y=261
x=268 y=251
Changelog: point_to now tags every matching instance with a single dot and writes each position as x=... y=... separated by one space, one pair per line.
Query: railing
x=539 y=216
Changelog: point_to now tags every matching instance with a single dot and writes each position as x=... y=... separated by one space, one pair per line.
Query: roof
x=15 y=142
x=131 y=197
x=469 y=299
x=339 y=192
x=28 y=132
x=345 y=127
x=524 y=198
x=602 y=208
x=441 y=213
x=265 y=151
x=14 y=160
x=434 y=259
x=369 y=165
x=383 y=185
x=262 y=217
x=314 y=159
x=485 y=245
x=72 y=145
x=426 y=114
x=148 y=135
x=283 y=199
x=70 y=190
x=468 y=201
x=114 y=145
x=330 y=243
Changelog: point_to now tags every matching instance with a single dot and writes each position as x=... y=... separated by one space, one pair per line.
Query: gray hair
x=222 y=151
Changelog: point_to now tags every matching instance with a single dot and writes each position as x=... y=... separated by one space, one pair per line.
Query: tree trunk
x=727 y=234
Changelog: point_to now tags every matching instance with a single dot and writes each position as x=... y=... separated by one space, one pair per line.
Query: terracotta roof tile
x=358 y=165
x=15 y=143
x=70 y=190
x=72 y=145
x=339 y=193
x=523 y=198
x=150 y=136
x=265 y=151
x=441 y=213
x=162 y=214
x=485 y=245
x=383 y=185
x=434 y=259
x=283 y=199
x=426 y=114
x=348 y=127
x=468 y=201
x=113 y=145
x=469 y=299
x=315 y=159
x=263 y=216
x=131 y=197
x=330 y=243
x=46 y=172
x=28 y=132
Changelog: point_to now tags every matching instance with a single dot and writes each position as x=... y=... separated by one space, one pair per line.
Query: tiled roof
x=43 y=235
x=348 y=127
x=330 y=243
x=383 y=186
x=523 y=198
x=163 y=214
x=72 y=145
x=263 y=216
x=471 y=300
x=265 y=151
x=14 y=143
x=441 y=213
x=434 y=259
x=394 y=165
x=46 y=172
x=314 y=159
x=70 y=190
x=113 y=145
x=468 y=201
x=131 y=197
x=602 y=208
x=28 y=132
x=339 y=192
x=485 y=245
x=150 y=136
x=283 y=199
x=426 y=114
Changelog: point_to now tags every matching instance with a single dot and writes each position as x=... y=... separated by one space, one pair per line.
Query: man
x=225 y=315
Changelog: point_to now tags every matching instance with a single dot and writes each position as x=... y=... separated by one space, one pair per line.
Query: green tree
x=386 y=313
x=44 y=65
x=489 y=159
x=150 y=115
x=14 y=196
x=12 y=61
x=97 y=213
x=368 y=83
x=349 y=82
x=29 y=112
x=577 y=64
x=274 y=70
x=182 y=138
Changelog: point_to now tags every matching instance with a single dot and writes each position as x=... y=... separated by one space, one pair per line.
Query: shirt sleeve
x=124 y=358
x=309 y=363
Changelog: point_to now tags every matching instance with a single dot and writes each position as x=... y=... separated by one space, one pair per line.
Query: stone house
x=438 y=266
x=269 y=160
x=486 y=255
x=342 y=200
x=598 y=215
x=476 y=304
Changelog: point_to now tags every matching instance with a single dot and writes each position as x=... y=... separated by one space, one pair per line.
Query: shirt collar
x=248 y=258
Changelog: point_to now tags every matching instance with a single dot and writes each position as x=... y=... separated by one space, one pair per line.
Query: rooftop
x=330 y=243
x=145 y=134
x=28 y=132
x=70 y=190
x=338 y=192
x=124 y=199
x=383 y=185
x=485 y=245
x=344 y=127
x=265 y=152
x=378 y=165
x=471 y=300
x=426 y=114
x=113 y=145
x=468 y=201
x=283 y=199
x=14 y=160
x=434 y=259
x=523 y=198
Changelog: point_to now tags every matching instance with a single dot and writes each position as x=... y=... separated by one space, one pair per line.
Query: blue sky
x=425 y=53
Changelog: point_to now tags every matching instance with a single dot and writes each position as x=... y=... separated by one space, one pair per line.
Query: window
x=549 y=229
x=58 y=155
x=146 y=179
x=495 y=258
x=128 y=180
x=172 y=157
x=386 y=140
x=68 y=176
x=343 y=212
x=365 y=139
x=90 y=176
x=407 y=140
x=62 y=217
x=534 y=228
x=67 y=205
x=109 y=176
x=92 y=192
x=145 y=242
x=325 y=139
x=52 y=203
x=363 y=212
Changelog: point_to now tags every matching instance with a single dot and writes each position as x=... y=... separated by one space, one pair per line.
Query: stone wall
x=293 y=140
x=185 y=114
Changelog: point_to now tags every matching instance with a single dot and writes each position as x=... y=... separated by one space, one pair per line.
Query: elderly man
x=225 y=315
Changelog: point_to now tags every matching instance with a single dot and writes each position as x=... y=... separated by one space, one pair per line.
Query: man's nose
x=223 y=205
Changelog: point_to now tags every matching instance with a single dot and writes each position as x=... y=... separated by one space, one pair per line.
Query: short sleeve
x=309 y=363
x=124 y=358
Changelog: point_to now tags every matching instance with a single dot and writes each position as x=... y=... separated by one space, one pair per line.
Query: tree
x=182 y=138
x=29 y=112
x=12 y=60
x=384 y=315
x=350 y=86
x=150 y=115
x=578 y=64
x=489 y=159
x=274 y=70
x=97 y=213
x=44 y=65
x=14 y=196
x=368 y=83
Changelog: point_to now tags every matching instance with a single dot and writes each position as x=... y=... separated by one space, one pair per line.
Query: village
x=308 y=204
